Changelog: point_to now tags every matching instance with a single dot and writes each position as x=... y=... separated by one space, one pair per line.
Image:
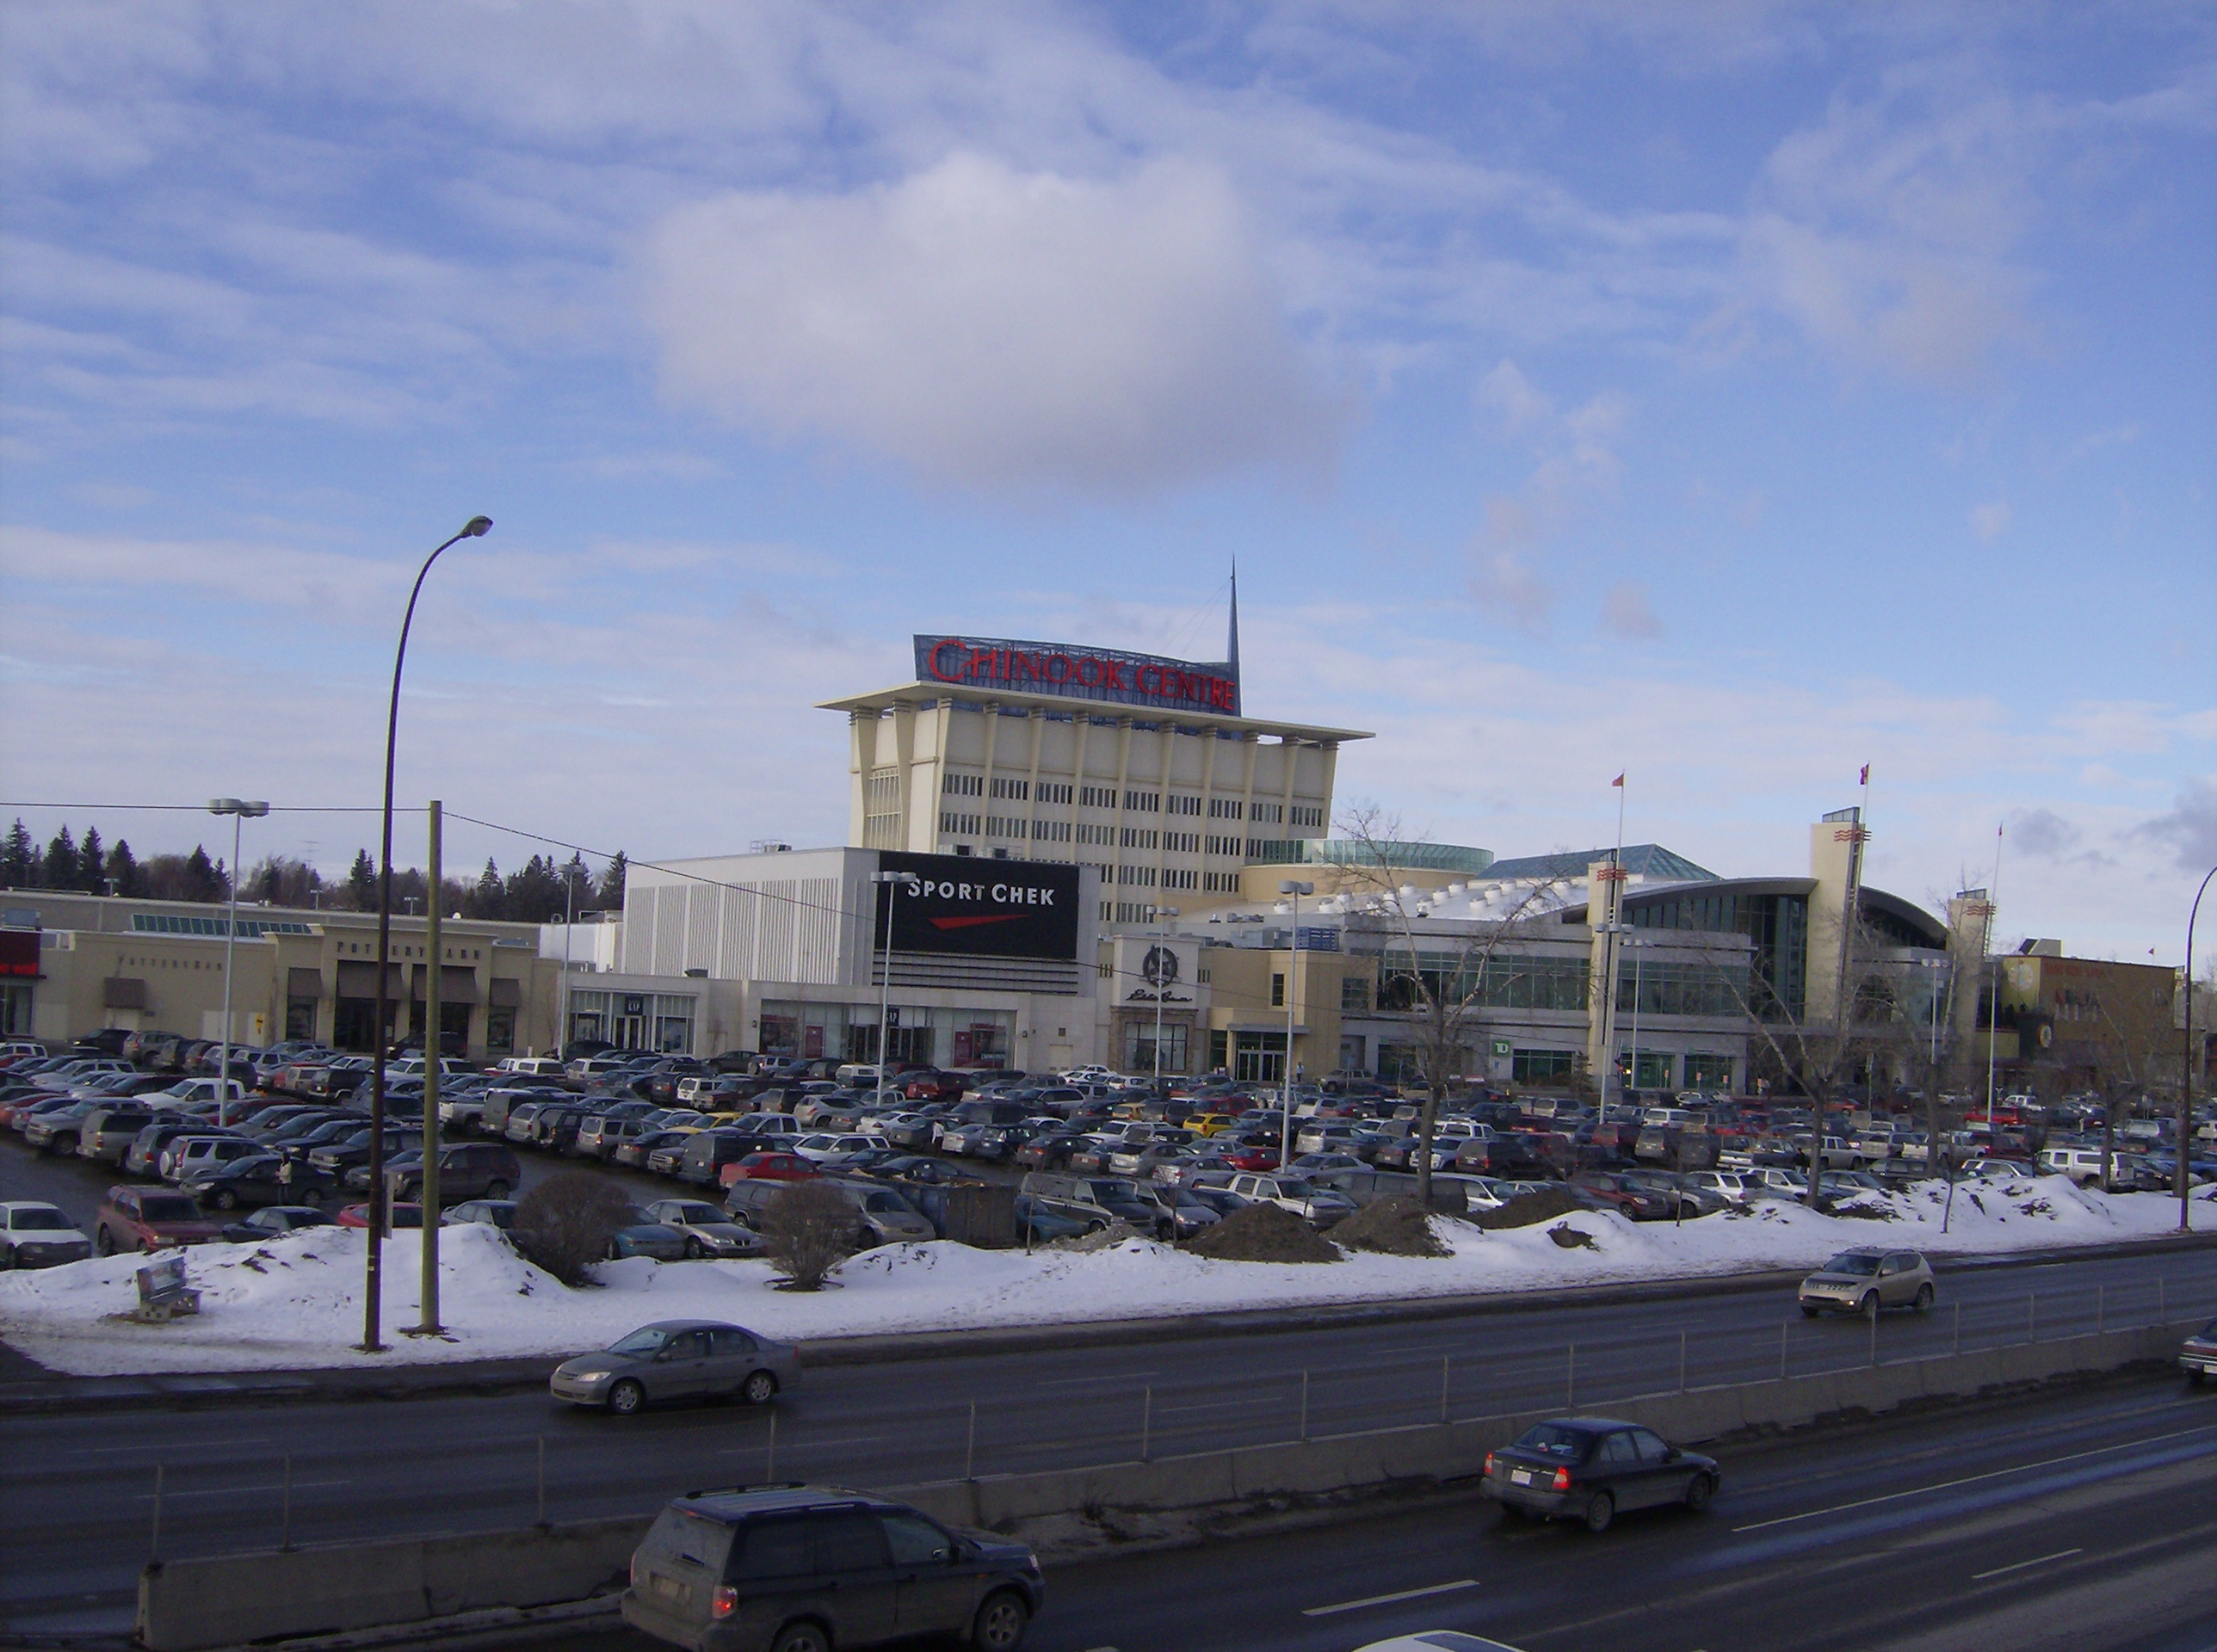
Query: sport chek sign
x=1077 y=673
x=975 y=907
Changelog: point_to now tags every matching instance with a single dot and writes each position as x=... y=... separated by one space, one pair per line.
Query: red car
x=769 y=1167
x=150 y=1218
x=404 y=1216
x=1253 y=1159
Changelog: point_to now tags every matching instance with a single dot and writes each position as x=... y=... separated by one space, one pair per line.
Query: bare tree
x=2143 y=1037
x=567 y=1223
x=808 y=1229
x=1443 y=1001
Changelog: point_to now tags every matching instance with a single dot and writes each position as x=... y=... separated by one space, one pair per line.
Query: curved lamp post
x=240 y=813
x=2186 y=1064
x=372 y=1285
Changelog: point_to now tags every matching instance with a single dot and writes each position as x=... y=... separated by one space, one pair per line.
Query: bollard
x=1146 y=1418
x=154 y=1546
x=1443 y=1385
x=970 y=1450
x=284 y=1526
x=542 y=1480
x=770 y=1460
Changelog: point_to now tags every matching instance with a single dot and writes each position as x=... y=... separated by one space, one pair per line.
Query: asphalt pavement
x=2082 y=1521
x=76 y=1490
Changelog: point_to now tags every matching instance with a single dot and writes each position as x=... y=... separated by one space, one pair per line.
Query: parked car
x=1319 y=1206
x=705 y=1230
x=187 y=1154
x=2198 y=1358
x=489 y=1212
x=1593 y=1469
x=1863 y=1281
x=837 y=1561
x=37 y=1234
x=770 y=1166
x=240 y=1184
x=398 y=1217
x=467 y=1170
x=133 y=1219
x=678 y=1360
x=882 y=1216
x=274 y=1222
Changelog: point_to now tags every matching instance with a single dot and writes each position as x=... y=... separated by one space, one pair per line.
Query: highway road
x=77 y=1490
x=2083 y=1522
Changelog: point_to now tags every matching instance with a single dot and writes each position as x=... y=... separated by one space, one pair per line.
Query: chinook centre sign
x=1076 y=673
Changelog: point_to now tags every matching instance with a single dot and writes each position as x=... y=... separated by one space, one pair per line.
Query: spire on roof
x=1232 y=647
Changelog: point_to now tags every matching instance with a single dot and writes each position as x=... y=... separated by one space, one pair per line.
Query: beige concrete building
x=140 y=965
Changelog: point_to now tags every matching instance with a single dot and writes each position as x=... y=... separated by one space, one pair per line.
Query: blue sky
x=1729 y=394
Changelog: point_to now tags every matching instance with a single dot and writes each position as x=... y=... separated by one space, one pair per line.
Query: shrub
x=808 y=1229
x=565 y=1223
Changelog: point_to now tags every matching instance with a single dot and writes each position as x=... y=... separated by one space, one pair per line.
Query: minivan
x=813 y=1567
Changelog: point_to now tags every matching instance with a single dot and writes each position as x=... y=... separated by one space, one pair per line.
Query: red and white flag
x=1619 y=780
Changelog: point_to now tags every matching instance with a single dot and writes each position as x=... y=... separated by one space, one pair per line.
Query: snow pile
x=296 y=1302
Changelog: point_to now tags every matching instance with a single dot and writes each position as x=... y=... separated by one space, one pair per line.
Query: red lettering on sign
x=938 y=649
x=1112 y=674
x=1062 y=660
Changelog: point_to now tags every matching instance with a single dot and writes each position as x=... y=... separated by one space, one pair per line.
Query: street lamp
x=1162 y=987
x=373 y=1254
x=240 y=813
x=2186 y=1061
x=1636 y=945
x=1292 y=982
x=893 y=881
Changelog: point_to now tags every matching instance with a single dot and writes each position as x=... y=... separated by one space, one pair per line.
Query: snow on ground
x=296 y=1303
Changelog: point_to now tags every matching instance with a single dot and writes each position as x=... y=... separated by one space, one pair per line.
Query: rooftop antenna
x=1232 y=647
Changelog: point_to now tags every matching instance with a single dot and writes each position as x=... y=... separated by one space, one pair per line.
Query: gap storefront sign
x=973 y=907
x=1077 y=673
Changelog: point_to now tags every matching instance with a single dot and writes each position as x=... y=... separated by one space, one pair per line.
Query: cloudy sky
x=1729 y=394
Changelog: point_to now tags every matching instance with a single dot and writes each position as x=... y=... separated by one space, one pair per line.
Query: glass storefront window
x=1139 y=1046
x=1542 y=1066
x=1258 y=1057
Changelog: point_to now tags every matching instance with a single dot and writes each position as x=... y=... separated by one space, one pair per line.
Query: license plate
x=1520 y=1477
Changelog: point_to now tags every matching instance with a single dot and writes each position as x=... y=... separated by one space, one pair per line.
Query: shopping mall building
x=1057 y=854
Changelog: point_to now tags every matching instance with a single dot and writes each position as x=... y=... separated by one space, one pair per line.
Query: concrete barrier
x=229 y=1599
x=190 y=1606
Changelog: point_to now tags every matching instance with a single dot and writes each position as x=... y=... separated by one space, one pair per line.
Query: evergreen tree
x=20 y=859
x=611 y=894
x=124 y=869
x=488 y=897
x=204 y=879
x=61 y=868
x=92 y=863
x=534 y=893
x=362 y=883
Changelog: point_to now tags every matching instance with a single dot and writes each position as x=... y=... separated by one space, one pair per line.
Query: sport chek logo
x=1000 y=894
x=972 y=922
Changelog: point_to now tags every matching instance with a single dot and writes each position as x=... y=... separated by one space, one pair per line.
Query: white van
x=2082 y=1164
x=531 y=1066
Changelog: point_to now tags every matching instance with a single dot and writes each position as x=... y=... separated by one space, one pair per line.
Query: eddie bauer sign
x=977 y=907
x=1076 y=673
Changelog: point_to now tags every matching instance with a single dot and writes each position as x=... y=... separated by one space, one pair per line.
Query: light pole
x=1292 y=983
x=373 y=1340
x=2186 y=1063
x=893 y=881
x=240 y=813
x=1636 y=946
x=1161 y=984
x=568 y=918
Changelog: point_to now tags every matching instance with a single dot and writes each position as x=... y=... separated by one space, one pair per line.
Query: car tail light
x=724 y=1602
x=1488 y=1463
x=1562 y=1481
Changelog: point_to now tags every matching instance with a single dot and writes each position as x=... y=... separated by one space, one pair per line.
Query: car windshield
x=1861 y=1263
x=39 y=1221
x=157 y=1208
x=1548 y=1440
x=640 y=1344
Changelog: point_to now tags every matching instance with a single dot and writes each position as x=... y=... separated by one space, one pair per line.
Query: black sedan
x=252 y=1183
x=274 y=1222
x=1593 y=1469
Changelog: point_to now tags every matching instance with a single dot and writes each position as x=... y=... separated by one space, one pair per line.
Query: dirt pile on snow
x=1263 y=1233
x=1400 y=1226
x=1529 y=1210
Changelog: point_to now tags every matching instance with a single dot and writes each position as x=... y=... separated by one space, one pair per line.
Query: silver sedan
x=707 y=1231
x=678 y=1359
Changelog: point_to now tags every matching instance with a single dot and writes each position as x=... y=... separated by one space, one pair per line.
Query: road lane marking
x=241 y=1491
x=1388 y=1599
x=110 y=1450
x=1972 y=1479
x=795 y=1445
x=2003 y=1571
x=1075 y=1382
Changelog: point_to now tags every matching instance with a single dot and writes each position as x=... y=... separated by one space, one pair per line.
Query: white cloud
x=994 y=328
x=1990 y=521
x=1628 y=613
x=1503 y=584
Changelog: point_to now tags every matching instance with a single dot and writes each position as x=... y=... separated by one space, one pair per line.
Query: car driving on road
x=1864 y=1281
x=1593 y=1469
x=678 y=1360
x=804 y=1568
